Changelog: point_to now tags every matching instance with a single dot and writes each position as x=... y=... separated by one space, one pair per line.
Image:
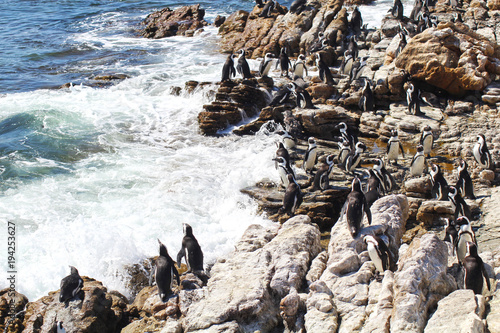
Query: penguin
x=284 y=62
x=418 y=162
x=293 y=197
x=292 y=124
x=70 y=286
x=481 y=153
x=242 y=66
x=324 y=71
x=283 y=170
x=464 y=183
x=386 y=179
x=393 y=147
x=259 y=3
x=310 y=156
x=357 y=69
x=228 y=70
x=265 y=65
x=299 y=67
x=347 y=135
x=401 y=45
x=352 y=47
x=268 y=8
x=60 y=328
x=352 y=161
x=288 y=140
x=460 y=206
x=303 y=98
x=297 y=6
x=439 y=189
x=190 y=250
x=465 y=234
x=282 y=95
x=354 y=207
x=397 y=9
x=475 y=272
x=283 y=152
x=321 y=181
x=344 y=152
x=413 y=99
x=417 y=6
x=164 y=271
x=318 y=44
x=356 y=20
x=427 y=140
x=346 y=64
x=451 y=234
x=366 y=102
x=379 y=252
x=373 y=188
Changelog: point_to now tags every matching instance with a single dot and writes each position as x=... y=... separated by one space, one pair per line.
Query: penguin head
x=420 y=148
x=394 y=133
x=329 y=159
x=462 y=221
x=188 y=230
x=311 y=141
x=356 y=185
x=302 y=57
x=435 y=169
x=379 y=164
x=242 y=53
x=427 y=128
x=480 y=138
x=369 y=239
x=341 y=127
x=462 y=165
x=360 y=147
x=163 y=250
x=74 y=271
x=452 y=192
x=471 y=249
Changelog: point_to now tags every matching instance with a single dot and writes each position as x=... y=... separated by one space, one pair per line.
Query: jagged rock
x=99 y=311
x=420 y=282
x=451 y=57
x=431 y=211
x=462 y=308
x=244 y=287
x=148 y=303
x=166 y=22
x=11 y=302
x=458 y=107
x=379 y=309
x=321 y=313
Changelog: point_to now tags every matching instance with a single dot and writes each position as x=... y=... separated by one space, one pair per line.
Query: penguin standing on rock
x=427 y=140
x=352 y=161
x=418 y=162
x=464 y=183
x=282 y=95
x=283 y=170
x=347 y=135
x=70 y=286
x=366 y=102
x=481 y=153
x=393 y=147
x=386 y=179
x=465 y=234
x=413 y=99
x=299 y=67
x=451 y=234
x=439 y=189
x=324 y=71
x=288 y=140
x=191 y=251
x=228 y=70
x=268 y=8
x=165 y=270
x=283 y=152
x=284 y=62
x=354 y=208
x=242 y=66
x=344 y=152
x=310 y=156
x=293 y=197
x=373 y=188
x=321 y=181
x=461 y=207
x=475 y=272
x=265 y=65
x=356 y=20
x=379 y=253
x=397 y=9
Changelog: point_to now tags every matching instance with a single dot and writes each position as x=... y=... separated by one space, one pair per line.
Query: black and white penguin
x=379 y=252
x=427 y=140
x=268 y=8
x=228 y=70
x=352 y=161
x=310 y=156
x=70 y=285
x=283 y=152
x=402 y=43
x=475 y=272
x=397 y=9
x=373 y=188
x=418 y=162
x=288 y=140
x=352 y=47
x=318 y=44
x=60 y=328
x=265 y=65
x=366 y=102
x=299 y=67
x=164 y=271
x=284 y=62
x=297 y=6
x=356 y=21
x=324 y=71
x=283 y=170
x=293 y=197
x=190 y=250
x=451 y=234
x=417 y=6
x=259 y=3
x=346 y=64
x=460 y=206
x=439 y=189
x=282 y=95
x=344 y=151
x=464 y=183
x=357 y=69
x=303 y=98
x=386 y=179
x=354 y=208
x=242 y=65
x=481 y=153
x=347 y=134
x=413 y=99
x=394 y=146
x=321 y=181
x=465 y=234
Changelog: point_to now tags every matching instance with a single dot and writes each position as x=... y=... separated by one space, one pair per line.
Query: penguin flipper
x=367 y=211
x=180 y=255
x=402 y=150
x=485 y=274
x=176 y=274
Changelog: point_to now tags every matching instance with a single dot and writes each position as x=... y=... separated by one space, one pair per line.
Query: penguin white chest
x=393 y=152
x=417 y=167
x=372 y=252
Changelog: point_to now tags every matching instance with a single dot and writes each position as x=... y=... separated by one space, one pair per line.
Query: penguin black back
x=354 y=208
x=70 y=285
x=439 y=184
x=475 y=272
x=190 y=250
x=293 y=197
x=165 y=270
x=464 y=183
x=228 y=70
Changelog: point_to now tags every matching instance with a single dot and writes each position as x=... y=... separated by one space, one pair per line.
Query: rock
x=431 y=211
x=420 y=282
x=219 y=20
x=11 y=303
x=487 y=175
x=390 y=26
x=321 y=313
x=451 y=57
x=244 y=287
x=418 y=185
x=99 y=311
x=462 y=308
x=459 y=107
x=167 y=22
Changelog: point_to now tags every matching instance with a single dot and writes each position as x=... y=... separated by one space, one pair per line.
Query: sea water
x=92 y=177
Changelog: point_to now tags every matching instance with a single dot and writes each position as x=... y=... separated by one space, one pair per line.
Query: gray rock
x=321 y=313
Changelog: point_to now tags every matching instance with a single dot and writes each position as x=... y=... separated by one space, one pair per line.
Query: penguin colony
x=368 y=185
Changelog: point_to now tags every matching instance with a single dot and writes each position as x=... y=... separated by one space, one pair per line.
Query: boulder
x=321 y=313
x=11 y=303
x=451 y=57
x=180 y=22
x=431 y=212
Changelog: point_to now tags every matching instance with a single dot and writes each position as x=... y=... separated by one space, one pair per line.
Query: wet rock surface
x=180 y=22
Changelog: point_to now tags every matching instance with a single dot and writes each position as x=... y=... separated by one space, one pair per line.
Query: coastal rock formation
x=11 y=305
x=180 y=22
x=94 y=310
x=247 y=286
x=451 y=57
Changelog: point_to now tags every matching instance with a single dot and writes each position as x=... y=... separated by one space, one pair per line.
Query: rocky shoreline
x=306 y=273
